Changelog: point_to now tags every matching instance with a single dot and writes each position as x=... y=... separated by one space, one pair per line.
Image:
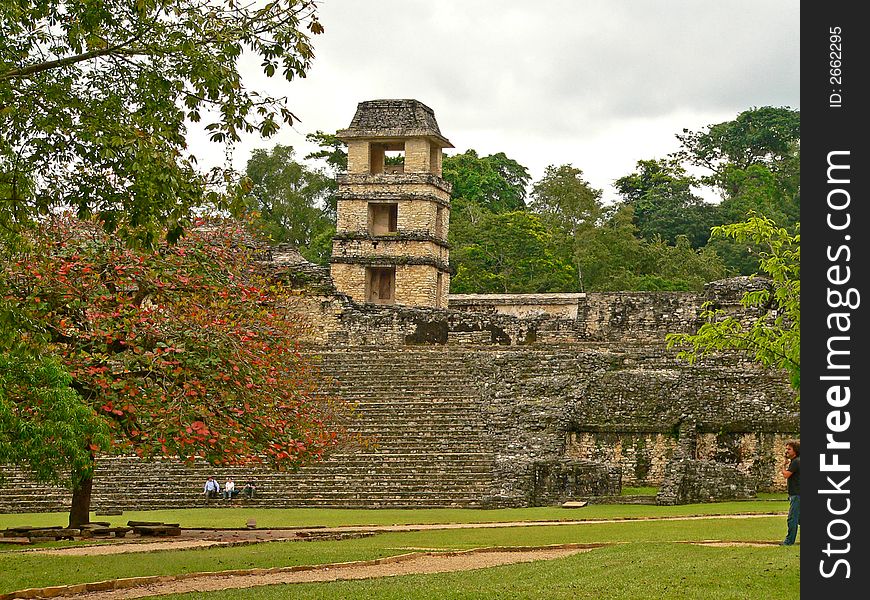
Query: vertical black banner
x=835 y=270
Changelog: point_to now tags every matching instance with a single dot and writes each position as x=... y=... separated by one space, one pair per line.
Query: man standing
x=792 y=473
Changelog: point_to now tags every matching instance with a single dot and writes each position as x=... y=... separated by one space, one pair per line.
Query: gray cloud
x=531 y=78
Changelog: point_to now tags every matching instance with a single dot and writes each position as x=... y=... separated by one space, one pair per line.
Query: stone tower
x=390 y=245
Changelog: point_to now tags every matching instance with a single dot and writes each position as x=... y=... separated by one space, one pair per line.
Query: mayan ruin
x=485 y=400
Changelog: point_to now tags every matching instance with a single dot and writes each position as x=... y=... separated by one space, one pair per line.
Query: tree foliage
x=482 y=187
x=565 y=200
x=43 y=422
x=754 y=160
x=758 y=136
x=333 y=151
x=96 y=98
x=663 y=203
x=773 y=337
x=511 y=253
x=184 y=350
x=612 y=257
x=495 y=183
x=291 y=202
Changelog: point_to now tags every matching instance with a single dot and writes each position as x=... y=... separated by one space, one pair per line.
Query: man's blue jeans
x=794 y=518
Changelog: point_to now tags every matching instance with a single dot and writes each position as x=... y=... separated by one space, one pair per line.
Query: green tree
x=679 y=266
x=569 y=206
x=774 y=336
x=481 y=187
x=759 y=148
x=43 y=422
x=611 y=257
x=759 y=136
x=184 y=350
x=333 y=151
x=660 y=194
x=512 y=252
x=291 y=201
x=95 y=98
x=565 y=200
x=759 y=191
x=754 y=163
x=495 y=183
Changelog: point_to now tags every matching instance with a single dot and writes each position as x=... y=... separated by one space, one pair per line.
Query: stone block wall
x=757 y=454
x=626 y=406
x=351 y=279
x=611 y=316
x=372 y=249
x=394 y=185
x=690 y=481
x=421 y=156
x=561 y=480
x=604 y=389
x=416 y=285
x=561 y=306
x=644 y=456
x=641 y=455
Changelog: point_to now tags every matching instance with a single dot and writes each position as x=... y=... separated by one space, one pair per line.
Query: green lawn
x=638 y=571
x=647 y=547
x=313 y=517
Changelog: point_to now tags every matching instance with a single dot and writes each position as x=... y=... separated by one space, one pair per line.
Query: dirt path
x=189 y=539
x=402 y=565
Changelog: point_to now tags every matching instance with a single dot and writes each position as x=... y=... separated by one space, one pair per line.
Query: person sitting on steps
x=212 y=488
x=249 y=489
x=229 y=489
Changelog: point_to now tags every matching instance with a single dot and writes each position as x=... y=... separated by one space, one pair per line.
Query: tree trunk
x=80 y=511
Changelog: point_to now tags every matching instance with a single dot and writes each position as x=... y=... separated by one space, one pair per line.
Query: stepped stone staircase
x=422 y=408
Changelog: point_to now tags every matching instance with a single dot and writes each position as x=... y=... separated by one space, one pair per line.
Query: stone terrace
x=465 y=406
x=421 y=411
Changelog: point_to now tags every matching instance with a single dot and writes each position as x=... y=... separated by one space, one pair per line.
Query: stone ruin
x=483 y=400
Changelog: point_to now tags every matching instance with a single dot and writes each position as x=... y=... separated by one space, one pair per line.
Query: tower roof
x=394 y=119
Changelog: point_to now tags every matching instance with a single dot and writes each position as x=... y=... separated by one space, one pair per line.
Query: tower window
x=439 y=222
x=388 y=157
x=383 y=218
x=434 y=159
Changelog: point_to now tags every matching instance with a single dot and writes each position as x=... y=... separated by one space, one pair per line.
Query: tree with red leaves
x=184 y=350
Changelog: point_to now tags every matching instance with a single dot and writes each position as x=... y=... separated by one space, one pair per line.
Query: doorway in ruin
x=381 y=285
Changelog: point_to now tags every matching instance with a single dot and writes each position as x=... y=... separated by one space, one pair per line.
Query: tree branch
x=70 y=60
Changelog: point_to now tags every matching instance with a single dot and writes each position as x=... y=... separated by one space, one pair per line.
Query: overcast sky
x=598 y=84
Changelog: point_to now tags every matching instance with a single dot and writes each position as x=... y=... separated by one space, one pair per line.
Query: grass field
x=313 y=517
x=638 y=571
x=645 y=561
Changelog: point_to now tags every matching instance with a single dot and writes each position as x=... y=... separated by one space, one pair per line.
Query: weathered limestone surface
x=519 y=305
x=688 y=481
x=390 y=245
x=561 y=480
